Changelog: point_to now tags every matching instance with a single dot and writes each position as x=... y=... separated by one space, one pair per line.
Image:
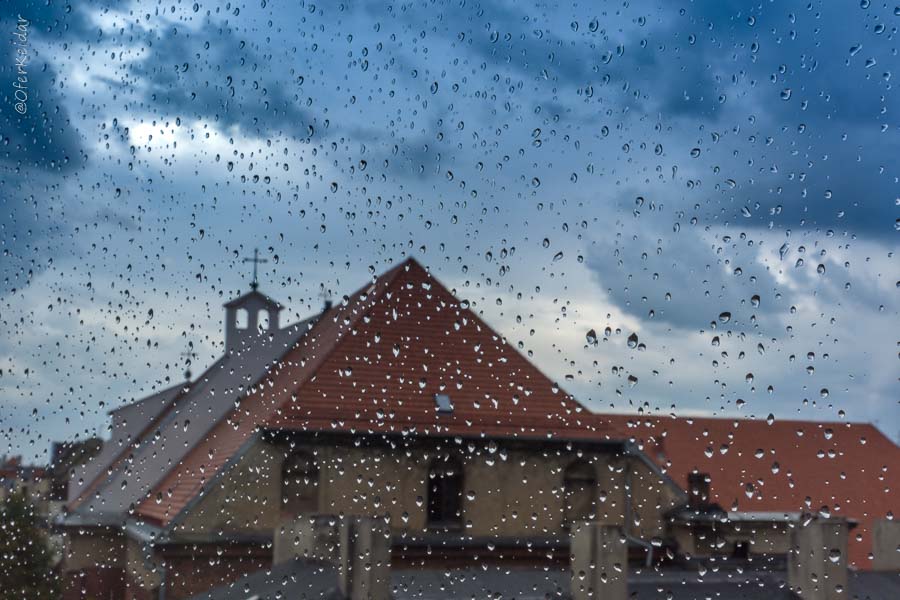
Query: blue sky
x=643 y=167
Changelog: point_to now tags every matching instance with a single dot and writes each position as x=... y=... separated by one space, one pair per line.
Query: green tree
x=25 y=555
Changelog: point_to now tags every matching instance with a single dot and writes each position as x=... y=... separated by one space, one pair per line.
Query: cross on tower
x=255 y=260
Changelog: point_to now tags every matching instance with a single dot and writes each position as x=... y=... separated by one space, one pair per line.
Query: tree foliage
x=26 y=558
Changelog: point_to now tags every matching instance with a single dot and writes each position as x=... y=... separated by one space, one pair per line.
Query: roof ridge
x=139 y=400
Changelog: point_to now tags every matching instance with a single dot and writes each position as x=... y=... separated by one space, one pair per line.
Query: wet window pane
x=449 y=299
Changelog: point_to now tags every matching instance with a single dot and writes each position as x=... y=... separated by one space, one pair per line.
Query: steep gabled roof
x=131 y=422
x=417 y=341
x=373 y=364
x=134 y=462
x=781 y=466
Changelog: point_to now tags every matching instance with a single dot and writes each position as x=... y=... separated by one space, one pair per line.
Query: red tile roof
x=374 y=364
x=417 y=340
x=851 y=470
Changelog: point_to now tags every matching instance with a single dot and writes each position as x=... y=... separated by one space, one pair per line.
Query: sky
x=717 y=177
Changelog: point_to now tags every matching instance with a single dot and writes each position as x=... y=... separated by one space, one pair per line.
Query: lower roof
x=299 y=579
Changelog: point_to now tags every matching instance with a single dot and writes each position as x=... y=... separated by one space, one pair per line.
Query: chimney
x=359 y=548
x=698 y=489
x=599 y=558
x=817 y=561
x=886 y=545
x=312 y=538
x=364 y=571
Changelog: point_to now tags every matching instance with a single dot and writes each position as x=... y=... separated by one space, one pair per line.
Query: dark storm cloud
x=724 y=57
x=35 y=125
x=39 y=144
x=55 y=20
x=212 y=74
x=852 y=193
x=44 y=137
x=685 y=280
x=807 y=86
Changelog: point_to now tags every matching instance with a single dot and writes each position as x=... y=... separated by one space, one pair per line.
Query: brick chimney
x=359 y=548
x=364 y=570
x=599 y=560
x=817 y=561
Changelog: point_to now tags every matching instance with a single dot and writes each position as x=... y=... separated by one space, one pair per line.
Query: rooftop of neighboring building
x=299 y=579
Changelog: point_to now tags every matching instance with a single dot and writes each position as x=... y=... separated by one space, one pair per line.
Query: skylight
x=443 y=404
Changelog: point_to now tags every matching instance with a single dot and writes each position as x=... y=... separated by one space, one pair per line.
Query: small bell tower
x=252 y=315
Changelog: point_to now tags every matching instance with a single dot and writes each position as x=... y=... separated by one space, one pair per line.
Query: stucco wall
x=507 y=491
x=246 y=499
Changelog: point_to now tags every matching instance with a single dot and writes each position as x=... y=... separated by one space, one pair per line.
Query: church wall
x=765 y=538
x=514 y=491
x=520 y=495
x=523 y=495
x=244 y=500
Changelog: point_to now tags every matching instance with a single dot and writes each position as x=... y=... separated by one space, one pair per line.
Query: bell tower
x=250 y=316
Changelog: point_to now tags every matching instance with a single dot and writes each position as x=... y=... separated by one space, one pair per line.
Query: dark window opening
x=579 y=492
x=445 y=484
x=299 y=485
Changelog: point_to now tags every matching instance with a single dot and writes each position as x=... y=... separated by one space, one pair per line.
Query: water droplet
x=633 y=340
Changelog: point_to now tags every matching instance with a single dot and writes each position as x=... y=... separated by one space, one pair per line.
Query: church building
x=398 y=403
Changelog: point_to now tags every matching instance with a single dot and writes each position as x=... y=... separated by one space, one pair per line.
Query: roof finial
x=188 y=356
x=325 y=295
x=255 y=260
